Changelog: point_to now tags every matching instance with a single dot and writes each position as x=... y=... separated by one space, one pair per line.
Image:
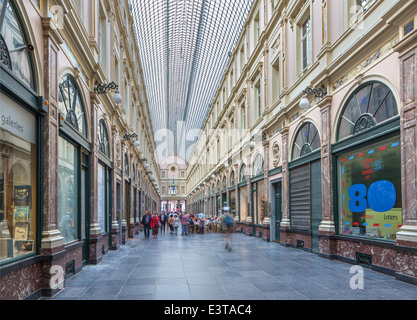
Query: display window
x=68 y=190
x=369 y=187
x=243 y=203
x=18 y=152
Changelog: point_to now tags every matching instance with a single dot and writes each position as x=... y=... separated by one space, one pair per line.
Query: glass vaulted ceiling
x=184 y=46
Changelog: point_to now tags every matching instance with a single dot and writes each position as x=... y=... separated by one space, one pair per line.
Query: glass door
x=85 y=217
x=278 y=210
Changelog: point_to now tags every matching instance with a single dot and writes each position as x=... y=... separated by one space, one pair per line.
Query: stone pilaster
x=52 y=240
x=407 y=49
x=114 y=224
x=95 y=254
x=285 y=223
x=327 y=224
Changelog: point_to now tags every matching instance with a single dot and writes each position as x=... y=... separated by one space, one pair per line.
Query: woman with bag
x=155 y=225
x=171 y=224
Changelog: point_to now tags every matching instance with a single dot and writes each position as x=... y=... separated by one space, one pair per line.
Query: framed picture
x=21 y=232
x=21 y=214
x=22 y=194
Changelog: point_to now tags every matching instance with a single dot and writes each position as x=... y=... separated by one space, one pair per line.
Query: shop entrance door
x=316 y=203
x=119 y=209
x=127 y=207
x=85 y=217
x=278 y=210
x=254 y=207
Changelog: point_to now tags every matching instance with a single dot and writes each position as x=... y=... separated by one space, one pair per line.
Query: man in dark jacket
x=146 y=221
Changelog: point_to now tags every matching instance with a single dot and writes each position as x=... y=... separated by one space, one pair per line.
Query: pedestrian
x=175 y=224
x=171 y=224
x=163 y=221
x=184 y=224
x=227 y=226
x=146 y=221
x=155 y=225
x=201 y=225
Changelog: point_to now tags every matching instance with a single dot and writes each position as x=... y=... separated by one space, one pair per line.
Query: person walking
x=184 y=224
x=201 y=225
x=146 y=221
x=227 y=226
x=171 y=224
x=163 y=222
x=155 y=225
x=176 y=223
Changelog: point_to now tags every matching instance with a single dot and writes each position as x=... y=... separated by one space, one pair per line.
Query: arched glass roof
x=184 y=48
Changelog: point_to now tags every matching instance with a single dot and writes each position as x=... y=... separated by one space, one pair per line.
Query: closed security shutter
x=300 y=198
x=316 y=203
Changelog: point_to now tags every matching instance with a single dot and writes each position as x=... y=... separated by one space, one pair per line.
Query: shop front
x=73 y=171
x=305 y=188
x=21 y=116
x=368 y=178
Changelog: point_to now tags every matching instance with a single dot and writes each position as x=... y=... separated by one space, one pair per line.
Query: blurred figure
x=184 y=224
x=146 y=221
x=171 y=224
x=176 y=223
x=162 y=221
x=155 y=225
x=228 y=226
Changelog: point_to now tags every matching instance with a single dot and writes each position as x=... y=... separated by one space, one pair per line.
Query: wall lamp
x=132 y=136
x=101 y=88
x=318 y=93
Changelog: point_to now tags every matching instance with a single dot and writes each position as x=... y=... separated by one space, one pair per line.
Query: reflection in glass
x=369 y=186
x=17 y=196
x=307 y=140
x=68 y=200
x=243 y=203
x=368 y=106
x=12 y=37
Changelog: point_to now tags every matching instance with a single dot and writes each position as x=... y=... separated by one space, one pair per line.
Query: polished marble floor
x=197 y=267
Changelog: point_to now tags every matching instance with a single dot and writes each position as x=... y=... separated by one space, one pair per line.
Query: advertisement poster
x=370 y=190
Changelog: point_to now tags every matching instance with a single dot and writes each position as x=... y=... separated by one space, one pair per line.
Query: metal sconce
x=101 y=88
x=132 y=136
x=318 y=93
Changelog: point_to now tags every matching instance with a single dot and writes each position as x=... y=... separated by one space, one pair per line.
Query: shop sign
x=16 y=120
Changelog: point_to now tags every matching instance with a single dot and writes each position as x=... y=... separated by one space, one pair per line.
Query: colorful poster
x=21 y=214
x=370 y=190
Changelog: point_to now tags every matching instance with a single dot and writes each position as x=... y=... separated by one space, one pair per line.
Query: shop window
x=258 y=165
x=232 y=179
x=14 y=48
x=17 y=181
x=369 y=105
x=103 y=139
x=369 y=190
x=68 y=190
x=71 y=106
x=307 y=141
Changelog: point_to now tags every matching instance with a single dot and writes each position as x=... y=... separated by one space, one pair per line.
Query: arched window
x=258 y=165
x=242 y=176
x=306 y=141
x=71 y=106
x=103 y=139
x=224 y=184
x=369 y=105
x=232 y=179
x=126 y=164
x=14 y=48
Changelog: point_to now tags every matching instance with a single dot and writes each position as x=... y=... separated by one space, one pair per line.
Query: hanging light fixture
x=318 y=93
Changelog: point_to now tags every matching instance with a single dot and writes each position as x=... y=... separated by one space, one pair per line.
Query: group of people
x=174 y=221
